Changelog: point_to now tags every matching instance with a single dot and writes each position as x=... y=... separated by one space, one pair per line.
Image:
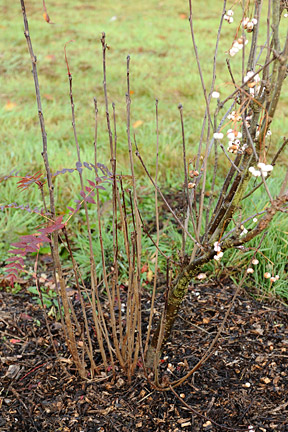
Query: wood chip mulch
x=244 y=383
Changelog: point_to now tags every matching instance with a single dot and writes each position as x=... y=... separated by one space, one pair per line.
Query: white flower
x=273 y=279
x=255 y=220
x=255 y=261
x=248 y=76
x=218 y=135
x=250 y=270
x=217 y=247
x=215 y=95
x=261 y=165
x=277 y=277
x=255 y=173
x=220 y=254
x=268 y=168
x=268 y=133
x=231 y=136
x=230 y=13
x=245 y=22
x=254 y=21
x=286 y=15
x=201 y=276
x=216 y=257
x=191 y=185
x=243 y=232
x=267 y=275
x=228 y=17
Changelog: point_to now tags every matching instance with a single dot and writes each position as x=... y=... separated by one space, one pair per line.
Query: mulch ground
x=243 y=383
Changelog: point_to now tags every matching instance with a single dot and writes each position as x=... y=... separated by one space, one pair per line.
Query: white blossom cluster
x=234 y=136
x=263 y=169
x=234 y=140
x=237 y=45
x=268 y=133
x=252 y=83
x=229 y=16
x=248 y=24
x=234 y=116
x=217 y=249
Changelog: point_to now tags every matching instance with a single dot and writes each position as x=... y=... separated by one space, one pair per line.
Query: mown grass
x=156 y=35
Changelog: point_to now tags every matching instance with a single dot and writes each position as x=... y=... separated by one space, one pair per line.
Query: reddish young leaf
x=16 y=258
x=13 y=265
x=90 y=200
x=12 y=272
x=44 y=239
x=17 y=251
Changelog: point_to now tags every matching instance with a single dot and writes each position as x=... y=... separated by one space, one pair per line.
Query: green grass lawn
x=156 y=35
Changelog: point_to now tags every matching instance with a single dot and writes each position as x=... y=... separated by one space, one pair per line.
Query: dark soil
x=243 y=383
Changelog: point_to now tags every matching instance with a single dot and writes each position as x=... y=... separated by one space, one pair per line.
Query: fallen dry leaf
x=48 y=97
x=50 y=57
x=266 y=380
x=14 y=341
x=137 y=123
x=12 y=371
x=149 y=275
x=9 y=106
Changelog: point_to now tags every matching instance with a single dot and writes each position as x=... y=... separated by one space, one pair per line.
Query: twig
x=204 y=416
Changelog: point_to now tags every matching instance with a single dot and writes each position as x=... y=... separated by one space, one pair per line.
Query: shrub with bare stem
x=239 y=137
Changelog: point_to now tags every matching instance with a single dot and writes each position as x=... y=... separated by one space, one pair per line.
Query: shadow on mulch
x=243 y=383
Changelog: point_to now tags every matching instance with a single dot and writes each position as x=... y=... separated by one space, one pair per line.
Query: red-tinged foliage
x=14 y=265
x=17 y=251
x=90 y=200
x=12 y=259
x=13 y=173
x=26 y=181
x=29 y=244
x=55 y=226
